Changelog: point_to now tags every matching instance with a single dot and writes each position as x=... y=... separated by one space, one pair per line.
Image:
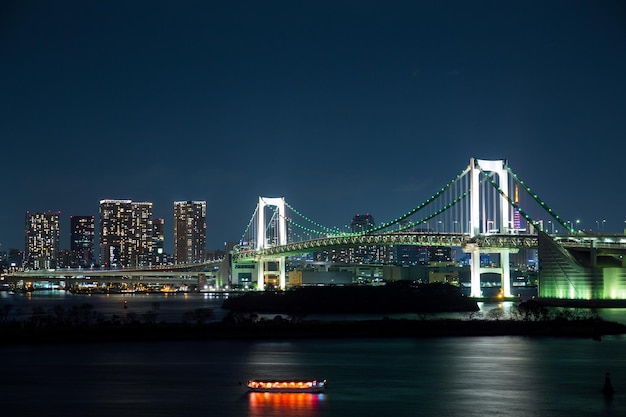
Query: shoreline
x=283 y=329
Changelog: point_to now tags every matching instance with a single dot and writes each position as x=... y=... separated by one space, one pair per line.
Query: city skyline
x=340 y=107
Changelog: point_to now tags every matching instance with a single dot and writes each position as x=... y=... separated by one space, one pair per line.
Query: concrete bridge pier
x=504 y=269
x=264 y=271
x=475 y=273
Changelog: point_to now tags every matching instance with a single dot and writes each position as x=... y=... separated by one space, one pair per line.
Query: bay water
x=451 y=376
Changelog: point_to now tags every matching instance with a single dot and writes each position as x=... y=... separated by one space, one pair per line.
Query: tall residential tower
x=189 y=231
x=42 y=240
x=125 y=233
x=82 y=234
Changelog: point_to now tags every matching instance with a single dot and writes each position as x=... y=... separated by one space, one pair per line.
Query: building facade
x=158 y=242
x=125 y=233
x=189 y=231
x=82 y=241
x=42 y=240
x=141 y=232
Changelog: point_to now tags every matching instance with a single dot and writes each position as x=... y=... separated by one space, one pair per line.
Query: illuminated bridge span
x=480 y=210
x=392 y=238
x=156 y=273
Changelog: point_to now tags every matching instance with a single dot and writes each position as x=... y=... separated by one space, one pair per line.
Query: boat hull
x=288 y=390
x=289 y=386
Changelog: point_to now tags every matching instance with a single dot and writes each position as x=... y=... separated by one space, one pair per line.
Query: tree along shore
x=83 y=324
x=395 y=297
x=280 y=328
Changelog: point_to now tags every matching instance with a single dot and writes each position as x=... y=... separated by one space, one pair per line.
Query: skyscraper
x=42 y=240
x=82 y=234
x=363 y=254
x=158 y=241
x=141 y=232
x=362 y=222
x=189 y=231
x=125 y=233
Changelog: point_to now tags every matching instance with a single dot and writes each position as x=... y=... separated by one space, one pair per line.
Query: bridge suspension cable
x=246 y=233
x=322 y=229
x=447 y=210
x=421 y=206
x=542 y=204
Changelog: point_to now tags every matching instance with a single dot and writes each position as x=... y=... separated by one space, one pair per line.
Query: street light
x=603 y=222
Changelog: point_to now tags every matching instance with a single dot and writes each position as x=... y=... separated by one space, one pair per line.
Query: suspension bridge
x=485 y=209
x=479 y=210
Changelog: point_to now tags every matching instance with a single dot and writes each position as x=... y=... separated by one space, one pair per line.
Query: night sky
x=342 y=107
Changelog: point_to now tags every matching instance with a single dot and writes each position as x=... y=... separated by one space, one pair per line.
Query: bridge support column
x=281 y=277
x=260 y=277
x=280 y=272
x=506 y=273
x=475 y=274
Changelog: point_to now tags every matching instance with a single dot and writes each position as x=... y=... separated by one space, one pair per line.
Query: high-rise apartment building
x=42 y=240
x=361 y=223
x=125 y=233
x=364 y=254
x=189 y=231
x=141 y=230
x=82 y=238
x=115 y=221
x=158 y=242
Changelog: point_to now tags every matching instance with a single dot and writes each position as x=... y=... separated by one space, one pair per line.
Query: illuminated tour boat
x=311 y=386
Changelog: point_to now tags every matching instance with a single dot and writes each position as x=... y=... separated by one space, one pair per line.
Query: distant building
x=125 y=233
x=158 y=242
x=189 y=231
x=115 y=221
x=361 y=223
x=42 y=240
x=16 y=259
x=65 y=259
x=141 y=232
x=82 y=238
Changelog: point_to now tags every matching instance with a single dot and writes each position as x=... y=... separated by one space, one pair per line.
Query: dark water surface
x=481 y=376
x=475 y=376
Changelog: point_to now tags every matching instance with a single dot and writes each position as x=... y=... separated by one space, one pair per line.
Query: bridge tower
x=481 y=226
x=279 y=238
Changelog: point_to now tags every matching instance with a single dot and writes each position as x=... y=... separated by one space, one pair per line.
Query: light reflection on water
x=472 y=376
x=284 y=404
x=171 y=307
x=469 y=377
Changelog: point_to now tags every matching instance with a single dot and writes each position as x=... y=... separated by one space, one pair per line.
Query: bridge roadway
x=486 y=242
x=161 y=274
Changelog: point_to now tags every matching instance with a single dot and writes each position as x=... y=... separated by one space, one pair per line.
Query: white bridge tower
x=279 y=237
x=500 y=224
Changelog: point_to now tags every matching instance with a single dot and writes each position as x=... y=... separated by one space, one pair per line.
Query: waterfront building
x=16 y=259
x=189 y=231
x=158 y=242
x=141 y=230
x=42 y=240
x=115 y=221
x=125 y=233
x=82 y=238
